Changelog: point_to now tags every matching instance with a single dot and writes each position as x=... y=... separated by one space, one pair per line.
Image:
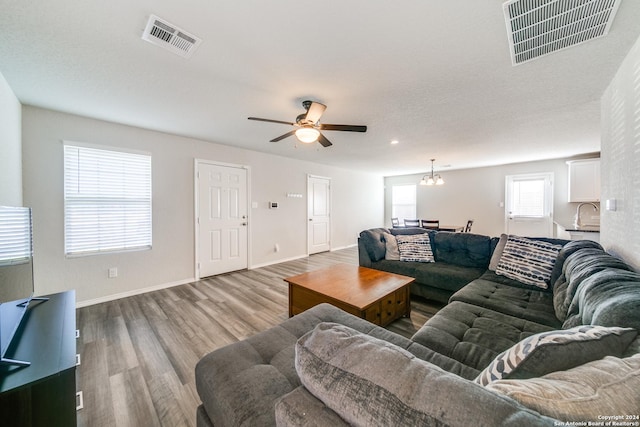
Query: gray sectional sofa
x=501 y=352
x=460 y=258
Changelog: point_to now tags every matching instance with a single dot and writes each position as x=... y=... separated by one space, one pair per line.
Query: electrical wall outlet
x=113 y=272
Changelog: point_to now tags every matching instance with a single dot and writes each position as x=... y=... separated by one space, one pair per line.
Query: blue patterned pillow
x=559 y=350
x=415 y=247
x=528 y=261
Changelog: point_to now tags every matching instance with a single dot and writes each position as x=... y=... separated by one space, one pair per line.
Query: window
x=107 y=200
x=403 y=202
x=15 y=236
x=528 y=197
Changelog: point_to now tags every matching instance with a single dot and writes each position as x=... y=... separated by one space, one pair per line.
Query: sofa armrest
x=363 y=256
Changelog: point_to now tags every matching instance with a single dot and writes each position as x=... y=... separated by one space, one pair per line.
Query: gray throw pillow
x=371 y=382
x=559 y=350
x=497 y=252
x=392 y=252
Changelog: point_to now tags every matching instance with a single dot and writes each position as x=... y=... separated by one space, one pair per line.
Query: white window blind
x=107 y=200
x=528 y=198
x=15 y=235
x=403 y=202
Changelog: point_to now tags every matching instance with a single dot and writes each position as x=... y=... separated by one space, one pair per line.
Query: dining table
x=452 y=228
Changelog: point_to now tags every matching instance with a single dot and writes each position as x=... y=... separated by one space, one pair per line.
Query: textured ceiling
x=435 y=75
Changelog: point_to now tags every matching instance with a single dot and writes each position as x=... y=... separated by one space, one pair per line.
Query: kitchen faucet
x=578 y=222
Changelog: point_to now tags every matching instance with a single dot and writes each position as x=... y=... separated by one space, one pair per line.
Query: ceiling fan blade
x=348 y=128
x=324 y=141
x=315 y=111
x=271 y=121
x=288 y=134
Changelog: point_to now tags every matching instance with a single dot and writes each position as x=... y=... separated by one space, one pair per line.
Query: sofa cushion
x=302 y=409
x=439 y=275
x=463 y=249
x=415 y=247
x=553 y=351
x=528 y=261
x=510 y=297
x=609 y=297
x=578 y=266
x=474 y=335
x=610 y=386
x=369 y=382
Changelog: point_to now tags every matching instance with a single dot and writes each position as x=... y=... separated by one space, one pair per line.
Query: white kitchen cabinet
x=584 y=180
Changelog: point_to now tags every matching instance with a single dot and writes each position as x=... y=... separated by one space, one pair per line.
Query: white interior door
x=222 y=238
x=529 y=205
x=319 y=214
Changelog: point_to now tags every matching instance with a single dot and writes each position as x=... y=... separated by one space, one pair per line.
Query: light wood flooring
x=138 y=354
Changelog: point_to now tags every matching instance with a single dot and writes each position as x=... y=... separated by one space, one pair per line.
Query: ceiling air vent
x=170 y=37
x=539 y=27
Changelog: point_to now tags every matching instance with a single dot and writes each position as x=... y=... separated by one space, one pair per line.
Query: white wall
x=620 y=104
x=357 y=204
x=10 y=146
x=477 y=194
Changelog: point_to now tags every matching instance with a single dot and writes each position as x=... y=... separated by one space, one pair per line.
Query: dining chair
x=412 y=223
x=395 y=222
x=433 y=224
x=467 y=229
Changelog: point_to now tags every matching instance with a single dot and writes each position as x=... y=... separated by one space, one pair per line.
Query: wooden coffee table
x=374 y=295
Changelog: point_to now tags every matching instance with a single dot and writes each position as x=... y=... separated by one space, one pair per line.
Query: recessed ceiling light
x=394 y=142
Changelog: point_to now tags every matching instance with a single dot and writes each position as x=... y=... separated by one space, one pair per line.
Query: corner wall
x=621 y=159
x=357 y=205
x=10 y=146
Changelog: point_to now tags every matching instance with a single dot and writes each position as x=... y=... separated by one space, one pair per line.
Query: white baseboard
x=343 y=247
x=107 y=298
x=131 y=293
x=278 y=261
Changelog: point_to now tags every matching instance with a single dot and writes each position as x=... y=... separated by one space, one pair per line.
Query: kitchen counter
x=586 y=232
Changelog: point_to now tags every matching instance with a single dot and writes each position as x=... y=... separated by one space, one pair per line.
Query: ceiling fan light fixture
x=307 y=135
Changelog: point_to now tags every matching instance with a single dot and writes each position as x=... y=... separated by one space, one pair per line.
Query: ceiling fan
x=308 y=126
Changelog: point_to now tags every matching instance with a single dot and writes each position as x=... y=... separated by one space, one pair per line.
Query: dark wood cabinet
x=44 y=393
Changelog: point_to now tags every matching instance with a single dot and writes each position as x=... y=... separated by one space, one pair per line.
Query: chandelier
x=431 y=179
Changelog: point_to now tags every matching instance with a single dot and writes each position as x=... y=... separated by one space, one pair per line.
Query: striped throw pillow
x=528 y=261
x=559 y=350
x=415 y=247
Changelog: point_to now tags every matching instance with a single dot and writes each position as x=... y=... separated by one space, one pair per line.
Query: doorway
x=318 y=214
x=529 y=205
x=221 y=218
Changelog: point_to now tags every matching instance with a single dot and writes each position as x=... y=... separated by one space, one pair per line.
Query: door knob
x=310 y=219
